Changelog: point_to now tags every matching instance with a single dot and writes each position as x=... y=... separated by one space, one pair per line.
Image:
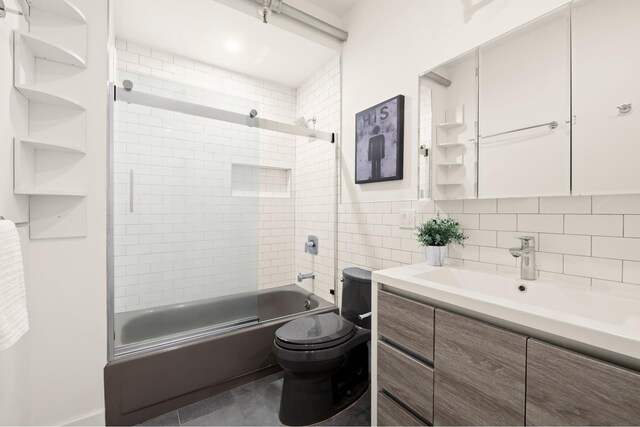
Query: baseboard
x=96 y=419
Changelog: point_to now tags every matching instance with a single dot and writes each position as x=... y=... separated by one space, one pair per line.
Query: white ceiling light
x=232 y=45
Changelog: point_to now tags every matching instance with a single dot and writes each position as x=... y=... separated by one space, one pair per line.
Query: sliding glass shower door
x=185 y=218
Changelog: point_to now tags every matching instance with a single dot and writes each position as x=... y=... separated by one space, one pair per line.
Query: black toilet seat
x=318 y=346
x=315 y=332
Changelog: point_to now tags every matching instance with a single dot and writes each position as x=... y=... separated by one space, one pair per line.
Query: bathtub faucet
x=303 y=276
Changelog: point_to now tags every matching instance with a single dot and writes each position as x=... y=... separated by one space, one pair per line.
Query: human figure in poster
x=376 y=152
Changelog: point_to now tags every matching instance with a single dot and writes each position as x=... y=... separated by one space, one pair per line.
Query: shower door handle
x=131 y=190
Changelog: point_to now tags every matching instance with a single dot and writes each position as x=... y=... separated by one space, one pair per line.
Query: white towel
x=14 y=321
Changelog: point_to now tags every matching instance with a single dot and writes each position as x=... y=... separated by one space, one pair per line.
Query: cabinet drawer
x=406 y=322
x=392 y=414
x=410 y=381
x=566 y=388
x=479 y=373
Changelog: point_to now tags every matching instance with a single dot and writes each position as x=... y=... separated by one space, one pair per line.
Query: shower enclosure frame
x=118 y=93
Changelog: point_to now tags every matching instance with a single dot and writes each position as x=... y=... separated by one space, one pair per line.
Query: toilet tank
x=356 y=295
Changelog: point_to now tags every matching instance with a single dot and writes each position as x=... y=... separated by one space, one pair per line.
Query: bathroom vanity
x=460 y=347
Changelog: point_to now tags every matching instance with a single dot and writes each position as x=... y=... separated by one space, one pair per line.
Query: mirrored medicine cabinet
x=547 y=109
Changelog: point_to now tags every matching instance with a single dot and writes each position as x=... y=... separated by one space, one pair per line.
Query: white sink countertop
x=606 y=318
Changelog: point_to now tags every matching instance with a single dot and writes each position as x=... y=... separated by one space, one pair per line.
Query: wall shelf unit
x=450 y=125
x=46 y=97
x=62 y=8
x=51 y=146
x=451 y=145
x=453 y=118
x=41 y=48
x=61 y=24
x=49 y=192
x=49 y=164
x=43 y=168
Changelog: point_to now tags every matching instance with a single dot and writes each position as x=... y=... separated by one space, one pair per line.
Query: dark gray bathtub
x=179 y=354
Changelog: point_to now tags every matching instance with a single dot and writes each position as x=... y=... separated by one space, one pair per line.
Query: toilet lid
x=316 y=329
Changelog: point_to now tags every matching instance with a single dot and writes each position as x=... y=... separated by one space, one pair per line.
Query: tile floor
x=253 y=404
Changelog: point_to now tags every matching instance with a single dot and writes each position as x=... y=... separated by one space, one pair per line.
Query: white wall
x=53 y=375
x=14 y=372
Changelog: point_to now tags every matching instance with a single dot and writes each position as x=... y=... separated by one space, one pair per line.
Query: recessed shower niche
x=260 y=181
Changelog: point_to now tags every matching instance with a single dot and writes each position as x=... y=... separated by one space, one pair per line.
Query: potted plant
x=435 y=234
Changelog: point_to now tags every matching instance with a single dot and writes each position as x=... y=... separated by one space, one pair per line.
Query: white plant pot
x=435 y=255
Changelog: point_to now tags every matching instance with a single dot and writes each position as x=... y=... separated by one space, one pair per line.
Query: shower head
x=301 y=121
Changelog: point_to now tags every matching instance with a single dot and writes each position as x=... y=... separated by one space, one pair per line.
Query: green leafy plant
x=440 y=231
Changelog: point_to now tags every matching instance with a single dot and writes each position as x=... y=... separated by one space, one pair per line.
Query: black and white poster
x=379 y=138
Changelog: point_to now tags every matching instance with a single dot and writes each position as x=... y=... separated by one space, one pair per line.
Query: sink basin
x=568 y=299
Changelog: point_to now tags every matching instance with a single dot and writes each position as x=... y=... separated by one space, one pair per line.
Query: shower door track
x=132 y=97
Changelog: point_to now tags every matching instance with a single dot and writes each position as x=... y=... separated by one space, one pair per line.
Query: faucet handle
x=527 y=241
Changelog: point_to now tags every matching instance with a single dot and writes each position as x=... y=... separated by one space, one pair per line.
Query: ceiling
x=214 y=33
x=336 y=7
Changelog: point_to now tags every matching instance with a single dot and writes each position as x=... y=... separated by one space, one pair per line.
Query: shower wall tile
x=188 y=238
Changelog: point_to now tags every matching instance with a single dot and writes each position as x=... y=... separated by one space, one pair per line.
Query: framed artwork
x=379 y=142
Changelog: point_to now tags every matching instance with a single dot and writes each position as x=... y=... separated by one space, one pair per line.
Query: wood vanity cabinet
x=438 y=367
x=407 y=379
x=391 y=413
x=567 y=388
x=406 y=322
x=480 y=373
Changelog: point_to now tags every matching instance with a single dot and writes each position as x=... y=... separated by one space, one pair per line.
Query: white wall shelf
x=52 y=146
x=41 y=48
x=46 y=97
x=48 y=192
x=453 y=118
x=450 y=165
x=451 y=144
x=62 y=8
x=450 y=125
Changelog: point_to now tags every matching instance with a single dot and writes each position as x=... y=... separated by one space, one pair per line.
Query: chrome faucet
x=526 y=251
x=303 y=276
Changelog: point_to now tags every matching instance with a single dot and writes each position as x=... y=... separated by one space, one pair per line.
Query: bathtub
x=179 y=354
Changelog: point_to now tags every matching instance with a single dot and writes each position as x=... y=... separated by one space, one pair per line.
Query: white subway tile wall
x=189 y=237
x=585 y=240
x=315 y=179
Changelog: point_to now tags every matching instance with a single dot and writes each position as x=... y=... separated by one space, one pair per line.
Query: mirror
x=448 y=129
x=606 y=96
x=524 y=122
